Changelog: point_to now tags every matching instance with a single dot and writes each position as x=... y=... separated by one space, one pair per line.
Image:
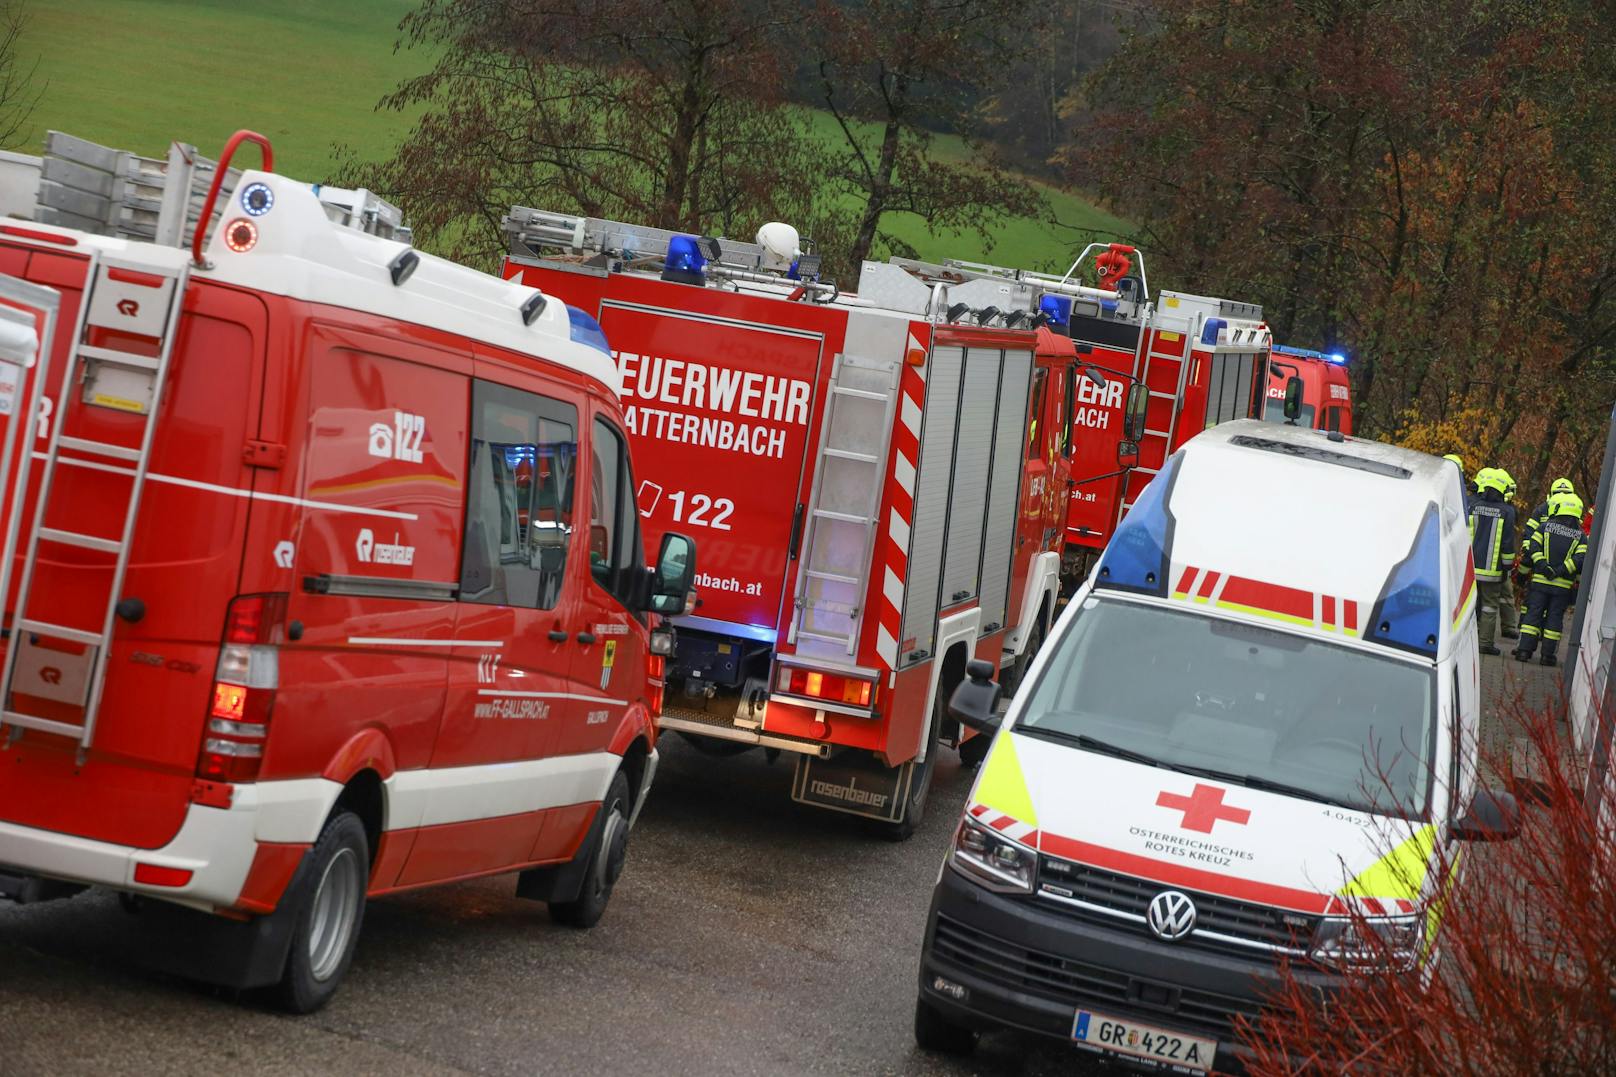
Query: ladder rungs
x=833 y=577
x=73 y=538
x=860 y=394
x=844 y=517
x=99 y=448
x=45 y=628
x=44 y=725
x=121 y=358
x=860 y=457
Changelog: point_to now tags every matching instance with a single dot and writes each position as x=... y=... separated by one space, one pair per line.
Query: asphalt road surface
x=747 y=936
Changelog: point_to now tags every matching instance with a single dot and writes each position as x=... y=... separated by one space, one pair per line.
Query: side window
x=524 y=454
x=1332 y=419
x=1040 y=378
x=1071 y=409
x=614 y=523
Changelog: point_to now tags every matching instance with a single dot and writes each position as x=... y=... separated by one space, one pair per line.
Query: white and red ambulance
x=322 y=578
x=878 y=480
x=1233 y=757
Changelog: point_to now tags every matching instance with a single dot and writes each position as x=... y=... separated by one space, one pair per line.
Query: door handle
x=586 y=638
x=557 y=635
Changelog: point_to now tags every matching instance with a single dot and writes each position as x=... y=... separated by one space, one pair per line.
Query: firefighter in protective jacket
x=1557 y=549
x=1510 y=606
x=1492 y=539
x=1523 y=564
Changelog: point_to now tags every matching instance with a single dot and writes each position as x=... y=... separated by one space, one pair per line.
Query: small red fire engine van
x=322 y=578
x=878 y=480
x=1326 y=400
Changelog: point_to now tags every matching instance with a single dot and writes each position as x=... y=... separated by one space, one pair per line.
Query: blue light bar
x=1408 y=613
x=1057 y=307
x=1138 y=556
x=1308 y=353
x=1209 y=334
x=585 y=330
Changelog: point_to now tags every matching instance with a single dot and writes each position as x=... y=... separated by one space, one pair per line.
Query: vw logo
x=1171 y=915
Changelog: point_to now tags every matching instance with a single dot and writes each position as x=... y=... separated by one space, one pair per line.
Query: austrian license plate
x=1146 y=1042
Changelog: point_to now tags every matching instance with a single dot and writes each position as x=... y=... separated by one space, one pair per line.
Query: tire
x=935 y=1032
x=1035 y=642
x=328 y=893
x=605 y=862
x=914 y=808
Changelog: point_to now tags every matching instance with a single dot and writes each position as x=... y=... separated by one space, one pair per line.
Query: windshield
x=1241 y=703
x=1275 y=413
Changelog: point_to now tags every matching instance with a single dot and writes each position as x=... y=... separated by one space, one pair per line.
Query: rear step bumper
x=216 y=845
x=701 y=725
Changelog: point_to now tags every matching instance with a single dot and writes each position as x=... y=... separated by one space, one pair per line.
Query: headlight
x=1370 y=942
x=992 y=859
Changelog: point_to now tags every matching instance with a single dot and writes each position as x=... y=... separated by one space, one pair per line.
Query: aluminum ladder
x=838 y=543
x=131 y=295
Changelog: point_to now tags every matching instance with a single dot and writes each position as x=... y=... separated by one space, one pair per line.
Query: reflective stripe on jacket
x=1557 y=552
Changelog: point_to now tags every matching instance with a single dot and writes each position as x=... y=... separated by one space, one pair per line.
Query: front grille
x=1084 y=986
x=1262 y=930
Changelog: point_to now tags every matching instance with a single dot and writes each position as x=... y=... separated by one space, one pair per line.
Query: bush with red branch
x=1523 y=976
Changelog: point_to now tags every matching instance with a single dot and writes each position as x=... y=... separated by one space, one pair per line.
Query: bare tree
x=19 y=93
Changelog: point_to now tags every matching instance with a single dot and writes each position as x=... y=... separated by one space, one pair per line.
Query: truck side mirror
x=1133 y=420
x=976 y=700
x=1127 y=454
x=1293 y=399
x=1493 y=816
x=674 y=574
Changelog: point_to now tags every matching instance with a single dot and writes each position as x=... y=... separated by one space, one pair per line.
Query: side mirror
x=1133 y=417
x=976 y=701
x=1293 y=399
x=1127 y=454
x=662 y=640
x=1493 y=816
x=674 y=575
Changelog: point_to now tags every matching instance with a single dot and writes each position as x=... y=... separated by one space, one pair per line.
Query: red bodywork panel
x=265 y=476
x=1326 y=392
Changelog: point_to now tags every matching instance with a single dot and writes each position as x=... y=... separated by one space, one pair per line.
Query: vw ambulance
x=1238 y=749
x=322 y=578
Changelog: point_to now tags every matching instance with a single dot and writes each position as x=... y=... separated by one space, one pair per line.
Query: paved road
x=748 y=936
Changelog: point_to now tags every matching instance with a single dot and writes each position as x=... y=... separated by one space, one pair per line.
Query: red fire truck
x=1154 y=372
x=877 y=479
x=1326 y=392
x=322 y=577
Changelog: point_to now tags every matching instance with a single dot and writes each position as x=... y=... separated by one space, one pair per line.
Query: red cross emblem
x=1203 y=808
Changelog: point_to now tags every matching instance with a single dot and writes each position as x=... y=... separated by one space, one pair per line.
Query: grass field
x=136 y=74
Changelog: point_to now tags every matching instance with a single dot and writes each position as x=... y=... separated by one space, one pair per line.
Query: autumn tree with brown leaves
x=1428 y=186
x=662 y=112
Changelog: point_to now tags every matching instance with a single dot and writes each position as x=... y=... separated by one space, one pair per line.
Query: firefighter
x=1492 y=542
x=1557 y=551
x=1523 y=563
x=1464 y=480
x=1510 y=607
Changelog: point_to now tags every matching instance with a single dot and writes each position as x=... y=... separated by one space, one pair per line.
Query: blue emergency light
x=1058 y=308
x=684 y=261
x=1308 y=353
x=1137 y=557
x=586 y=330
x=1408 y=613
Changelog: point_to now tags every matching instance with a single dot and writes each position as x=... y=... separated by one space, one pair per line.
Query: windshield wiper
x=1095 y=744
x=1256 y=781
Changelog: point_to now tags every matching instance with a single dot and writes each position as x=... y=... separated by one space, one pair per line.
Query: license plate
x=1130 y=1038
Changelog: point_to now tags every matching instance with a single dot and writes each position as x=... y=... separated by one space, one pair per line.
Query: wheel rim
x=615 y=823
x=335 y=903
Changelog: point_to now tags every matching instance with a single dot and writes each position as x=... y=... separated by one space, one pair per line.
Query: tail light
x=832 y=687
x=244 y=684
x=656 y=670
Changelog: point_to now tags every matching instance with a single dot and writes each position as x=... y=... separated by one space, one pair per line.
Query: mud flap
x=211 y=949
x=853 y=782
x=562 y=882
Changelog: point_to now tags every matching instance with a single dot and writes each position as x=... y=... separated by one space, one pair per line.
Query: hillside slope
x=138 y=73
